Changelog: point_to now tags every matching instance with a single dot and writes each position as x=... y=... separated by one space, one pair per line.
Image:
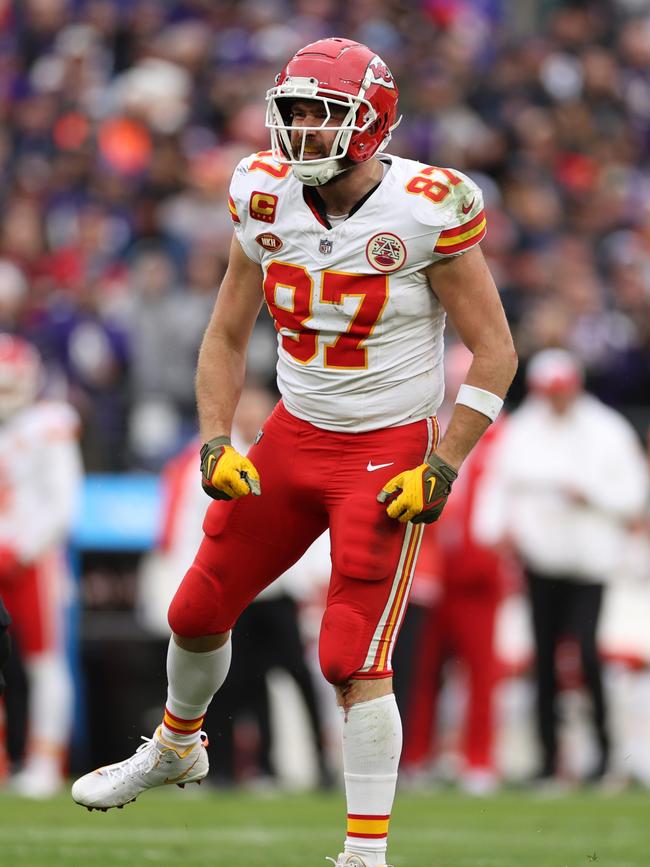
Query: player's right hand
x=419 y=495
x=225 y=474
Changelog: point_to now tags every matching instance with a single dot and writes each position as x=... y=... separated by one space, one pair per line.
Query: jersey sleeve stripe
x=466 y=227
x=461 y=242
x=233 y=210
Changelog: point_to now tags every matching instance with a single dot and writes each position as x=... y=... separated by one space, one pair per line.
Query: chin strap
x=316 y=176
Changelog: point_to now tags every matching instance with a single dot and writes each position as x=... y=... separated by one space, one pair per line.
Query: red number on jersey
x=303 y=343
x=276 y=171
x=347 y=350
x=435 y=191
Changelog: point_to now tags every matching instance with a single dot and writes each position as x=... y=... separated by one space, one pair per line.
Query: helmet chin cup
x=319 y=174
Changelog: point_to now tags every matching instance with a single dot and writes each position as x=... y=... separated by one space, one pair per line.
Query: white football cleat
x=38 y=780
x=349 y=859
x=155 y=763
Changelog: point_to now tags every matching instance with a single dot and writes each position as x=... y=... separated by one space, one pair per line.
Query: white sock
x=372 y=744
x=192 y=678
x=50 y=701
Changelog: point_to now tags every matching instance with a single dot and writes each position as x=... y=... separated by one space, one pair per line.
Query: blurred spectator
x=567 y=480
x=40 y=472
x=189 y=310
x=154 y=425
x=624 y=642
x=13 y=294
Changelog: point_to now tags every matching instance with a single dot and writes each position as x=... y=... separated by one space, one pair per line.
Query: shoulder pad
x=257 y=170
x=261 y=163
x=452 y=203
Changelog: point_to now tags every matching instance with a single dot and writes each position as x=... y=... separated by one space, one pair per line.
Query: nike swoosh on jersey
x=372 y=467
x=467 y=208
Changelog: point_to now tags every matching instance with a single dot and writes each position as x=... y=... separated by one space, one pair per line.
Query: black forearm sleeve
x=5 y=642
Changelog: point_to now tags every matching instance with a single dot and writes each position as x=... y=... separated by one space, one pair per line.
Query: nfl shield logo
x=325 y=246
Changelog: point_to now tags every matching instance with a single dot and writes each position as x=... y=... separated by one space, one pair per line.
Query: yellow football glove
x=225 y=474
x=423 y=492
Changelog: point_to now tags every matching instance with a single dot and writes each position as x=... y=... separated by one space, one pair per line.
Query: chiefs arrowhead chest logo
x=386 y=252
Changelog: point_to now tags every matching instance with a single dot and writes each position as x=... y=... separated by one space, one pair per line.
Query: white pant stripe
x=405 y=599
x=383 y=620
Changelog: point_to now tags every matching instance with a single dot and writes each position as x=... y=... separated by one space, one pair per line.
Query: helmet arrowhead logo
x=379 y=73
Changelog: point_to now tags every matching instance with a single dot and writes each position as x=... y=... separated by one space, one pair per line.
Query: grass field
x=197 y=829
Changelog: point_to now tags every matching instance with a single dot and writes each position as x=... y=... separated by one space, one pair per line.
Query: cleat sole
x=106 y=809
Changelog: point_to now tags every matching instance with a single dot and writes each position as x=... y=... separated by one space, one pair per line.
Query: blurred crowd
x=121 y=123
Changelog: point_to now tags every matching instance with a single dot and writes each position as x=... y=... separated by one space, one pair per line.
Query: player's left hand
x=225 y=474
x=421 y=492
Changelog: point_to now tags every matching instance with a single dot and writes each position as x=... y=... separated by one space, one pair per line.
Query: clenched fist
x=421 y=492
x=225 y=474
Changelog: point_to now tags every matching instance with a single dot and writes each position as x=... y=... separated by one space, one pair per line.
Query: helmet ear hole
x=376 y=127
x=285 y=104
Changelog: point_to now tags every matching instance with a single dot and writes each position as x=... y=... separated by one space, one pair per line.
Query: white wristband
x=482 y=401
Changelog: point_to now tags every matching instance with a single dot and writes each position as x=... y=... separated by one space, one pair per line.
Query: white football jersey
x=40 y=478
x=360 y=332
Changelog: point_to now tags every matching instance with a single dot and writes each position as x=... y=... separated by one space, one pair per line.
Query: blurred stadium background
x=121 y=123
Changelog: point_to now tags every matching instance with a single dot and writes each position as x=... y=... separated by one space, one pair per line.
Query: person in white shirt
x=566 y=479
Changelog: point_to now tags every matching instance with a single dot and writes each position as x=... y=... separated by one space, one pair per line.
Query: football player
x=359 y=256
x=36 y=510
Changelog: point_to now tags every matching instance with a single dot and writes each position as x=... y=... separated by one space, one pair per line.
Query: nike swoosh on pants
x=372 y=467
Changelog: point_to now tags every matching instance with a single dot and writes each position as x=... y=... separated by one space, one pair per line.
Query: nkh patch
x=386 y=252
x=325 y=246
x=269 y=241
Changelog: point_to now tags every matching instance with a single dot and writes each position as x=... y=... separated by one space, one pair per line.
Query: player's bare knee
x=355 y=691
x=202 y=643
x=344 y=694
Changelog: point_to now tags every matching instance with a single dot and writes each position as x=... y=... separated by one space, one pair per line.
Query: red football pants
x=313 y=479
x=462 y=624
x=36 y=599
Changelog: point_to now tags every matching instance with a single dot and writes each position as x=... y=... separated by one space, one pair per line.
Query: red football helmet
x=338 y=72
x=554 y=371
x=20 y=374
